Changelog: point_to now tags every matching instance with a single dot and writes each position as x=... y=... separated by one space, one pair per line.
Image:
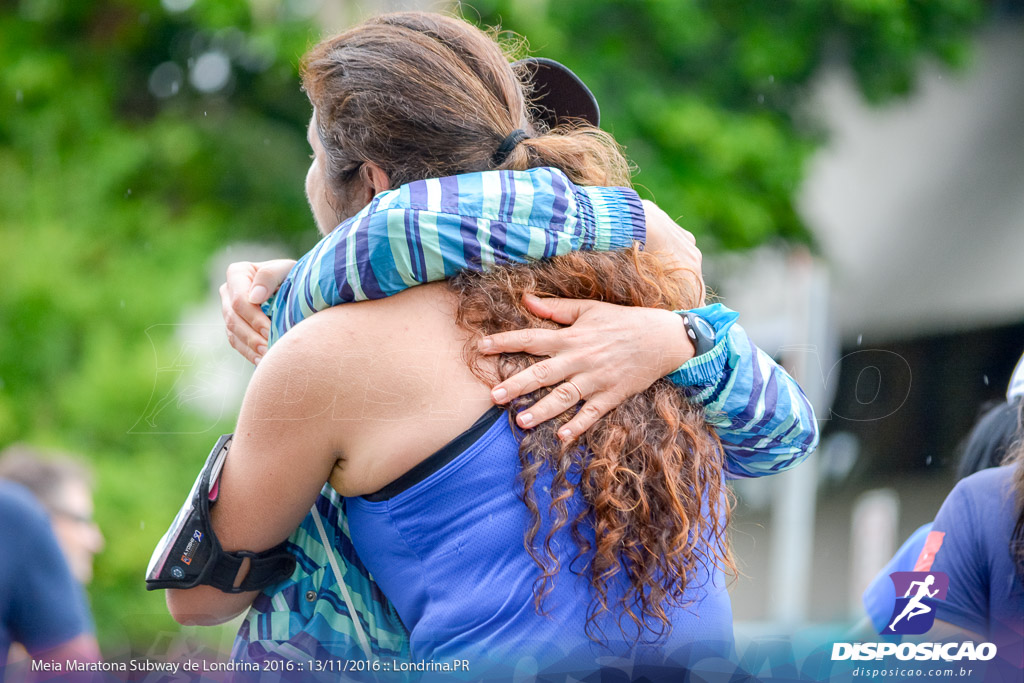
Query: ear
x=375 y=177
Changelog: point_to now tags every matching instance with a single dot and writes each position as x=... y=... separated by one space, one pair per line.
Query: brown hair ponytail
x=588 y=155
x=425 y=95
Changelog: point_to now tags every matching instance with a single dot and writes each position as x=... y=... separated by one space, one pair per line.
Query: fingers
x=675 y=245
x=534 y=340
x=269 y=276
x=594 y=409
x=242 y=337
x=564 y=311
x=657 y=219
x=246 y=286
x=542 y=374
x=247 y=327
x=562 y=397
x=538 y=341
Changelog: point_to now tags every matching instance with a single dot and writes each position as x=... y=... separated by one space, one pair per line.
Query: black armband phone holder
x=190 y=555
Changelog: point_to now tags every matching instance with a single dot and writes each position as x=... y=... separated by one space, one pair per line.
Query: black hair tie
x=507 y=145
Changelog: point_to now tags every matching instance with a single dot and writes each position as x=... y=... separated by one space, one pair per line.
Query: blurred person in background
x=978 y=541
x=1016 y=388
x=986 y=446
x=47 y=540
x=64 y=487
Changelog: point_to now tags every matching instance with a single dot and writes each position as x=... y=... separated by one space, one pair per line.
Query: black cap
x=558 y=94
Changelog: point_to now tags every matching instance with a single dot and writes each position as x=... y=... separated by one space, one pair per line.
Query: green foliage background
x=113 y=200
x=706 y=95
x=112 y=203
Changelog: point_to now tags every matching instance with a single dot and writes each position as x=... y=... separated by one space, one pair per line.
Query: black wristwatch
x=700 y=332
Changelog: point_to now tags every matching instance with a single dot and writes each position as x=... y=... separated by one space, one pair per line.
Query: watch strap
x=706 y=369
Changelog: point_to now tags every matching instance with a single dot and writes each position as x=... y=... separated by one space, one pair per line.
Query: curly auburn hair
x=650 y=472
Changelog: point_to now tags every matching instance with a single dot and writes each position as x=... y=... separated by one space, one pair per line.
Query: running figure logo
x=914 y=613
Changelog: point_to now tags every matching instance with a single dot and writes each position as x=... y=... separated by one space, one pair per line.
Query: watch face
x=704 y=328
x=700 y=332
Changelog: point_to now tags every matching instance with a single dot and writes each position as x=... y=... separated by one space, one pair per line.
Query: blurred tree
x=706 y=95
x=136 y=138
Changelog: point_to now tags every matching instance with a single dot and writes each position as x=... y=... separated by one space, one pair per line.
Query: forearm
x=430 y=230
x=206 y=605
x=759 y=412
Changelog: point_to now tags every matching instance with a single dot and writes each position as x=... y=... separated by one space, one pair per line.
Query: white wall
x=919 y=205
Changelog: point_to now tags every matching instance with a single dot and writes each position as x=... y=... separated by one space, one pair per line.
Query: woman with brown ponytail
x=491 y=542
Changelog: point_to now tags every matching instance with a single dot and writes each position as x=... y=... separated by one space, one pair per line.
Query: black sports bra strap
x=439 y=458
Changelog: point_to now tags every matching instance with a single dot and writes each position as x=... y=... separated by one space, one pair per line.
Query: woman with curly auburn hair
x=652 y=508
x=525 y=544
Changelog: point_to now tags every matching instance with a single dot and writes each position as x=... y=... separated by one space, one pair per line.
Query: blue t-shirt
x=880 y=595
x=41 y=604
x=449 y=553
x=985 y=594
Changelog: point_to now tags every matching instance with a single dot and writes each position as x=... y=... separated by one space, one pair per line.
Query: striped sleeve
x=764 y=420
x=429 y=230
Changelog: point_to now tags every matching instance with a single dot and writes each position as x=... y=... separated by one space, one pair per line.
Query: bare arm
x=279 y=460
x=356 y=394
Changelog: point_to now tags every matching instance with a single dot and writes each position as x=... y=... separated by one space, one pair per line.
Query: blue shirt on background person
x=986 y=594
x=42 y=607
x=985 y=447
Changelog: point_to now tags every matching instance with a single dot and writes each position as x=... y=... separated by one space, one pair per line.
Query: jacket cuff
x=613 y=218
x=706 y=369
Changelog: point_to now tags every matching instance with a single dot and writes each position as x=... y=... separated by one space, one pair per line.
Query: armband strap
x=190 y=554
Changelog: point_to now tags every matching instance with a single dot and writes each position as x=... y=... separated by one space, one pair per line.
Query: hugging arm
x=280 y=458
x=425 y=231
x=409 y=236
x=759 y=412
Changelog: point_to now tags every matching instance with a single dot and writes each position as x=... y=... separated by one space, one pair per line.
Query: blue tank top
x=449 y=553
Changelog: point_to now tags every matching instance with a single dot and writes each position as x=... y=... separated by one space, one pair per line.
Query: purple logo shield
x=917 y=595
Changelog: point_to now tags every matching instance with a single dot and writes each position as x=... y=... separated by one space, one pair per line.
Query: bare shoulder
x=396 y=322
x=368 y=353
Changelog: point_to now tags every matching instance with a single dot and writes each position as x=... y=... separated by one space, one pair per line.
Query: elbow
x=749 y=462
x=204 y=606
x=188 y=611
x=805 y=440
x=812 y=435
x=803 y=445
